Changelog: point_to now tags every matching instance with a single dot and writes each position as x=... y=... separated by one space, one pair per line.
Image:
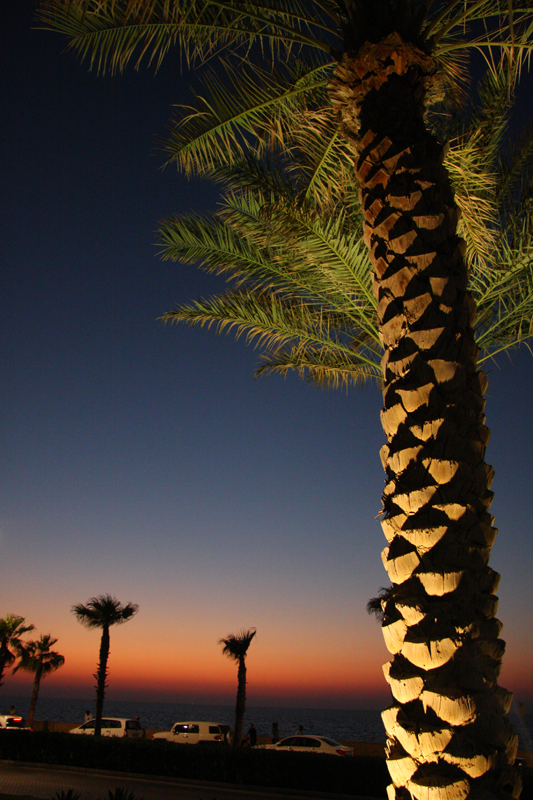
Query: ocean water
x=344 y=725
x=356 y=726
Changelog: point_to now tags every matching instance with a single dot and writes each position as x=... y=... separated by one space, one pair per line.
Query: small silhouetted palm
x=378 y=605
x=103 y=612
x=37 y=657
x=11 y=629
x=235 y=646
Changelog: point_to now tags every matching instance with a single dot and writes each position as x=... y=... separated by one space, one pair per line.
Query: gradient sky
x=145 y=461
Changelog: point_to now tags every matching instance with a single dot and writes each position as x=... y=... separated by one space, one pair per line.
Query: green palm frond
x=245 y=107
x=237 y=242
x=112 y=33
x=504 y=294
x=277 y=325
x=267 y=321
x=484 y=25
x=474 y=195
x=322 y=160
x=321 y=366
x=217 y=245
x=515 y=184
x=473 y=162
x=287 y=250
x=265 y=220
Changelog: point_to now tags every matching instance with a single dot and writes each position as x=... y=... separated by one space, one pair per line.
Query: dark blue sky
x=145 y=460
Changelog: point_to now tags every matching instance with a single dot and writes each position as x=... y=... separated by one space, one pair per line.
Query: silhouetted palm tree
x=235 y=646
x=37 y=657
x=103 y=612
x=11 y=629
x=377 y=605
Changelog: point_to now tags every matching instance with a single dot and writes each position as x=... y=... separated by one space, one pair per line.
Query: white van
x=192 y=733
x=114 y=726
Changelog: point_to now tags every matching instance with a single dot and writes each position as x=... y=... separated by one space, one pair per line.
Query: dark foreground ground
x=43 y=781
x=33 y=766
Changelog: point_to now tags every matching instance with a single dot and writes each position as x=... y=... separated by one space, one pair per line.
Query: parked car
x=114 y=726
x=192 y=733
x=12 y=722
x=310 y=744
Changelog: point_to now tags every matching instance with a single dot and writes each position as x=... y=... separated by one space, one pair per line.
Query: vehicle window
x=180 y=729
x=193 y=729
x=133 y=725
x=305 y=742
x=332 y=742
x=16 y=722
x=214 y=729
x=111 y=723
x=89 y=725
x=290 y=742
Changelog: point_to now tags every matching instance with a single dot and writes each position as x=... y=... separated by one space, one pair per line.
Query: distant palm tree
x=377 y=605
x=235 y=646
x=37 y=657
x=11 y=629
x=103 y=612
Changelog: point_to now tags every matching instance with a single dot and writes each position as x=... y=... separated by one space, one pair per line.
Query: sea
x=362 y=726
x=343 y=725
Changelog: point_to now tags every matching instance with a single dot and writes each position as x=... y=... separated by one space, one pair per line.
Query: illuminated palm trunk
x=448 y=737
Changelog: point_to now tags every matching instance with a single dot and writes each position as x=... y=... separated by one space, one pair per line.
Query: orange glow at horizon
x=347 y=671
x=215 y=682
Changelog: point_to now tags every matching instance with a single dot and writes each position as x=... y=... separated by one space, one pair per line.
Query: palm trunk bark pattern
x=447 y=732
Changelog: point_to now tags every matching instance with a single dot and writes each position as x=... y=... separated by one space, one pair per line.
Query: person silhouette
x=252 y=735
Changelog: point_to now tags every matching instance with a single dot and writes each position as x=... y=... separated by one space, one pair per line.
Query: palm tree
x=37 y=657
x=11 y=630
x=301 y=294
x=235 y=647
x=276 y=252
x=368 y=78
x=103 y=612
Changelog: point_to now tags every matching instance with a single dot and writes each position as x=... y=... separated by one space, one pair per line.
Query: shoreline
x=359 y=748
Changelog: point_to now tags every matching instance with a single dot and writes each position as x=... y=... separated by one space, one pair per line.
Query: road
x=45 y=781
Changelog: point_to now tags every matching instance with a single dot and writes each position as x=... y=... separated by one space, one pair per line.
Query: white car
x=310 y=744
x=192 y=733
x=114 y=726
x=13 y=722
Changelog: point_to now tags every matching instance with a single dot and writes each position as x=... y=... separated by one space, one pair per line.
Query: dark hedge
x=348 y=775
